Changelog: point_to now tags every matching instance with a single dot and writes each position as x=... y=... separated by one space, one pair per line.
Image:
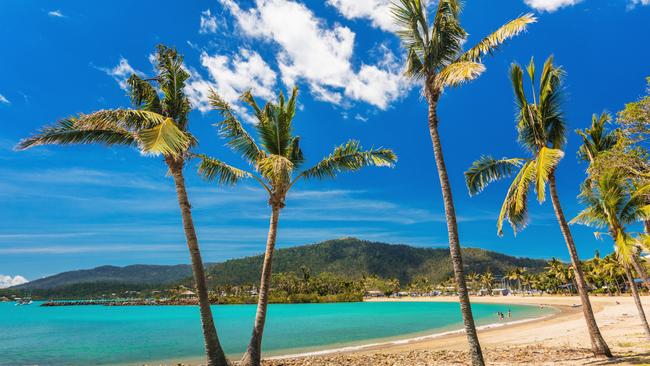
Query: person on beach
x=509 y=314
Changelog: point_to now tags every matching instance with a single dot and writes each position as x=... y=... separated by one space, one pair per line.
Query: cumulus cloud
x=4 y=100
x=56 y=14
x=208 y=22
x=121 y=72
x=230 y=77
x=550 y=5
x=377 y=11
x=316 y=54
x=8 y=281
x=633 y=3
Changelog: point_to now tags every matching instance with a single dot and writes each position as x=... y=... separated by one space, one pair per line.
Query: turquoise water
x=98 y=335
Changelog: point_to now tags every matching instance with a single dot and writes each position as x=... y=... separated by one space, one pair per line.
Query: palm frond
x=350 y=157
x=514 y=207
x=590 y=216
x=65 y=132
x=458 y=73
x=545 y=162
x=129 y=119
x=212 y=169
x=277 y=169
x=490 y=43
x=516 y=76
x=165 y=138
x=413 y=28
x=143 y=94
x=525 y=179
x=447 y=36
x=487 y=170
x=171 y=78
x=231 y=129
x=550 y=98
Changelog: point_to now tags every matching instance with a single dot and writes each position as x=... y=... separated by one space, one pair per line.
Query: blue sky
x=66 y=208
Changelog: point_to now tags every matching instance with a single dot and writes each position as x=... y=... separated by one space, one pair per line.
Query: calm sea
x=100 y=335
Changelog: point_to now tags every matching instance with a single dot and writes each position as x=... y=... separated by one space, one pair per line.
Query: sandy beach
x=560 y=339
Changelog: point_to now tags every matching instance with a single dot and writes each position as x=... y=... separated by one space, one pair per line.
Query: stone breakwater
x=127 y=302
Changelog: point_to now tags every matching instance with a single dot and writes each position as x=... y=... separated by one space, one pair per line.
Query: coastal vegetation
x=604 y=276
x=436 y=57
x=276 y=158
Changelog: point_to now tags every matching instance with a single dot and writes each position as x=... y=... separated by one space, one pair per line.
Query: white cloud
x=4 y=100
x=633 y=3
x=550 y=5
x=208 y=22
x=121 y=72
x=56 y=14
x=319 y=55
x=8 y=281
x=230 y=77
x=378 y=11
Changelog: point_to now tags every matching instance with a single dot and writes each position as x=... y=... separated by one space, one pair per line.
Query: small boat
x=25 y=301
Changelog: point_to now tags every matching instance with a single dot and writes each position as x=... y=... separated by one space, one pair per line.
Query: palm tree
x=597 y=141
x=275 y=159
x=541 y=130
x=487 y=281
x=435 y=56
x=612 y=205
x=158 y=125
x=517 y=274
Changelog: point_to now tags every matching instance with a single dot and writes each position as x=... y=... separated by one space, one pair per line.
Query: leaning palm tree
x=276 y=158
x=612 y=205
x=542 y=132
x=435 y=56
x=158 y=125
x=598 y=142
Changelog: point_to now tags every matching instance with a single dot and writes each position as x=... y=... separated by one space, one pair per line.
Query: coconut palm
x=542 y=132
x=435 y=56
x=158 y=125
x=613 y=205
x=276 y=158
x=517 y=275
x=597 y=141
x=487 y=281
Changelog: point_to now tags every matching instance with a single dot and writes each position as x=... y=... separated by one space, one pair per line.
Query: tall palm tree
x=157 y=125
x=542 y=131
x=435 y=56
x=597 y=141
x=612 y=205
x=276 y=158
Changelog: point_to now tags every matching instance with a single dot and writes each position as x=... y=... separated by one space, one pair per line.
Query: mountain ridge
x=350 y=257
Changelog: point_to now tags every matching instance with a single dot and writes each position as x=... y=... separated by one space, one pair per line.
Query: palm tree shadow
x=631 y=359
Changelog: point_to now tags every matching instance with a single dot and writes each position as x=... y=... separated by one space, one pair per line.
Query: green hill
x=348 y=257
x=138 y=274
x=354 y=258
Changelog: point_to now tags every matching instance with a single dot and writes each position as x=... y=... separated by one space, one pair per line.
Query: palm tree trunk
x=637 y=301
x=253 y=355
x=452 y=231
x=598 y=345
x=642 y=272
x=215 y=353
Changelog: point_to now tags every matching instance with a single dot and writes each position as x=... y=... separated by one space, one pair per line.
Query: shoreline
x=557 y=339
x=406 y=341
